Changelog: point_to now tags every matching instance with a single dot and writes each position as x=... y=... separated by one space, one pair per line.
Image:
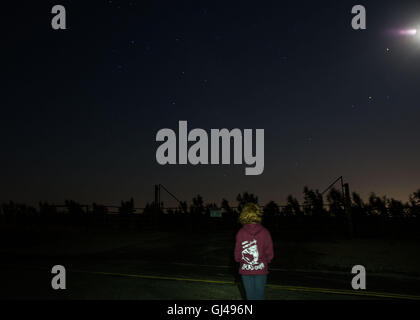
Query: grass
x=377 y=255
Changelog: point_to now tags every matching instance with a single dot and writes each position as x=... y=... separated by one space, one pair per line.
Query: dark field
x=146 y=264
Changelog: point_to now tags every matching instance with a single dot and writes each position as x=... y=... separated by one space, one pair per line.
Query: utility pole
x=346 y=201
x=158 y=204
x=347 y=204
x=157 y=197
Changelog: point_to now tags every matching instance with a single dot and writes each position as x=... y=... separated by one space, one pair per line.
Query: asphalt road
x=99 y=278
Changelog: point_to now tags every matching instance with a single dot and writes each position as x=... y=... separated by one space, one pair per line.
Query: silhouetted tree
x=197 y=206
x=20 y=213
x=377 y=205
x=396 y=208
x=127 y=207
x=336 y=202
x=271 y=209
x=9 y=210
x=226 y=207
x=271 y=214
x=228 y=213
x=183 y=207
x=358 y=206
x=292 y=207
x=245 y=198
x=313 y=202
x=414 y=200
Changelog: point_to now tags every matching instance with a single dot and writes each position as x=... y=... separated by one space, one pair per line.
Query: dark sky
x=80 y=108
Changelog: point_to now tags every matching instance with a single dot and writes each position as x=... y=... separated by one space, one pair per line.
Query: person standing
x=253 y=251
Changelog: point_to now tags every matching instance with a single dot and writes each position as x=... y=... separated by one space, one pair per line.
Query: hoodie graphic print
x=253 y=249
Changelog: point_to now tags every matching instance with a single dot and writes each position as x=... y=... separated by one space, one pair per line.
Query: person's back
x=253 y=251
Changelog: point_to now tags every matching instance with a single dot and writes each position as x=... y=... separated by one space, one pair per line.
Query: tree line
x=314 y=204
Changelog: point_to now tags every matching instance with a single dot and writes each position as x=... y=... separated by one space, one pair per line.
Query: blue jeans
x=254 y=286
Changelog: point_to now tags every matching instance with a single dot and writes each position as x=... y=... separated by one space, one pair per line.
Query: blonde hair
x=251 y=213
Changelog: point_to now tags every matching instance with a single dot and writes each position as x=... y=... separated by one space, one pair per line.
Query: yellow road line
x=346 y=292
x=144 y=276
x=274 y=286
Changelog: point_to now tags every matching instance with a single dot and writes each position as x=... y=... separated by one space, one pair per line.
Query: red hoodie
x=253 y=249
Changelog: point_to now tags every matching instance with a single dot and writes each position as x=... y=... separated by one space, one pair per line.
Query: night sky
x=80 y=108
